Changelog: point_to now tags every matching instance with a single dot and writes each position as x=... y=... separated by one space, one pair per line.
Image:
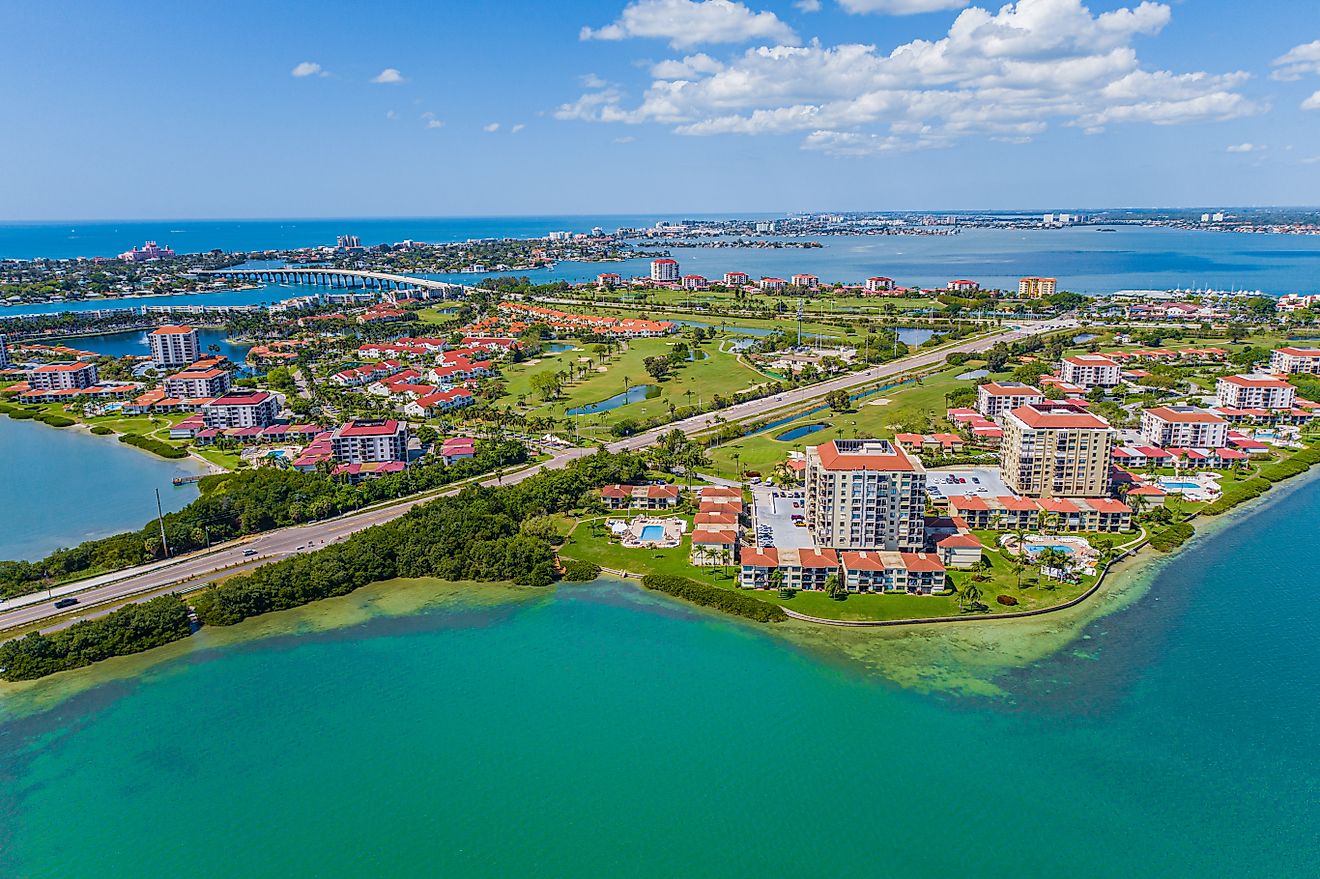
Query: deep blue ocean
x=1084 y=259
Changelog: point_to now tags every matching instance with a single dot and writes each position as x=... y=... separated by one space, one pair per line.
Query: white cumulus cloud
x=1244 y=148
x=1299 y=61
x=901 y=7
x=807 y=5
x=308 y=68
x=687 y=23
x=388 y=76
x=514 y=129
x=1312 y=103
x=491 y=128
x=1006 y=75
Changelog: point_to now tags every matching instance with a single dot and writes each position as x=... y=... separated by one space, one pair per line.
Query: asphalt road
x=99 y=595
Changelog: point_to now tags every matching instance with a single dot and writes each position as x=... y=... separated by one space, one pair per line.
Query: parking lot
x=772 y=518
x=980 y=481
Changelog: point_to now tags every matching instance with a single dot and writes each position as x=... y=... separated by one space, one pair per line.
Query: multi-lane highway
x=100 y=594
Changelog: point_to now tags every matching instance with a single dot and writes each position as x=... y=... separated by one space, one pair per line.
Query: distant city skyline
x=656 y=106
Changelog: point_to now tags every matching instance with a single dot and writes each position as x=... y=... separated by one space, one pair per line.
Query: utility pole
x=160 y=518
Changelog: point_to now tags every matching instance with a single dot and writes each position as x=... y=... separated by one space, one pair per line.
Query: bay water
x=61 y=486
x=601 y=730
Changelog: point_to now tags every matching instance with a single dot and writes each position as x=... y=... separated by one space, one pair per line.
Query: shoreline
x=110 y=300
x=938 y=658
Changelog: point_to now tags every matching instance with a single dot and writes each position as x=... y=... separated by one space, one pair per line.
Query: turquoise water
x=633 y=395
x=600 y=730
x=653 y=532
x=61 y=486
x=1186 y=486
x=1035 y=548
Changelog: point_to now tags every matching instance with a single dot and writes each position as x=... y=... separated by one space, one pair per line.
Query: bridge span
x=346 y=279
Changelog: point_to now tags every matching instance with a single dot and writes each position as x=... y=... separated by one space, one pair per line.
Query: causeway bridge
x=346 y=279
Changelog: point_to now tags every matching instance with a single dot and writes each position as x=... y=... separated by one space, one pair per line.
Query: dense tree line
x=475 y=535
x=479 y=534
x=727 y=600
x=131 y=629
x=236 y=504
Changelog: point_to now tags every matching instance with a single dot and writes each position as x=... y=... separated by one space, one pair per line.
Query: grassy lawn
x=436 y=315
x=227 y=460
x=585 y=546
x=908 y=405
x=716 y=372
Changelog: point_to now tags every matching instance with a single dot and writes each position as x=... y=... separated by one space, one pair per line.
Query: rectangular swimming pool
x=1184 y=486
x=653 y=533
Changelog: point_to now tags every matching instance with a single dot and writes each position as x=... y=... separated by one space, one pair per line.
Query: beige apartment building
x=865 y=494
x=1052 y=452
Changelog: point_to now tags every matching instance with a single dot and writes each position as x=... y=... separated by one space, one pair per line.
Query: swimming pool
x=1063 y=548
x=1179 y=486
x=653 y=533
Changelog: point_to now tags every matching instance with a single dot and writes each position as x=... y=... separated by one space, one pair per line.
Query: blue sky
x=183 y=110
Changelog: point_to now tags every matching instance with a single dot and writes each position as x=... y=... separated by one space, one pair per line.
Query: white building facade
x=172 y=347
x=1187 y=427
x=1254 y=392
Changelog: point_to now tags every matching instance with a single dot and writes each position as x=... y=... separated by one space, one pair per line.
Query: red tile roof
x=831 y=458
x=1062 y=420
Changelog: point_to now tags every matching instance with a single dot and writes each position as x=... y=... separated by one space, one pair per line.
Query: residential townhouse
x=802 y=569
x=918 y=573
x=440 y=402
x=640 y=497
x=1012 y=513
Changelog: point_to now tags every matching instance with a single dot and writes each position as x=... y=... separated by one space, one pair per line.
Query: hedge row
x=155 y=446
x=1239 y=494
x=1170 y=538
x=713 y=596
x=1294 y=465
x=576 y=571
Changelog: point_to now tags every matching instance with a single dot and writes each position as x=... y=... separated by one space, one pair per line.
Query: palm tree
x=1018 y=568
x=969 y=593
x=834 y=588
x=1049 y=557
